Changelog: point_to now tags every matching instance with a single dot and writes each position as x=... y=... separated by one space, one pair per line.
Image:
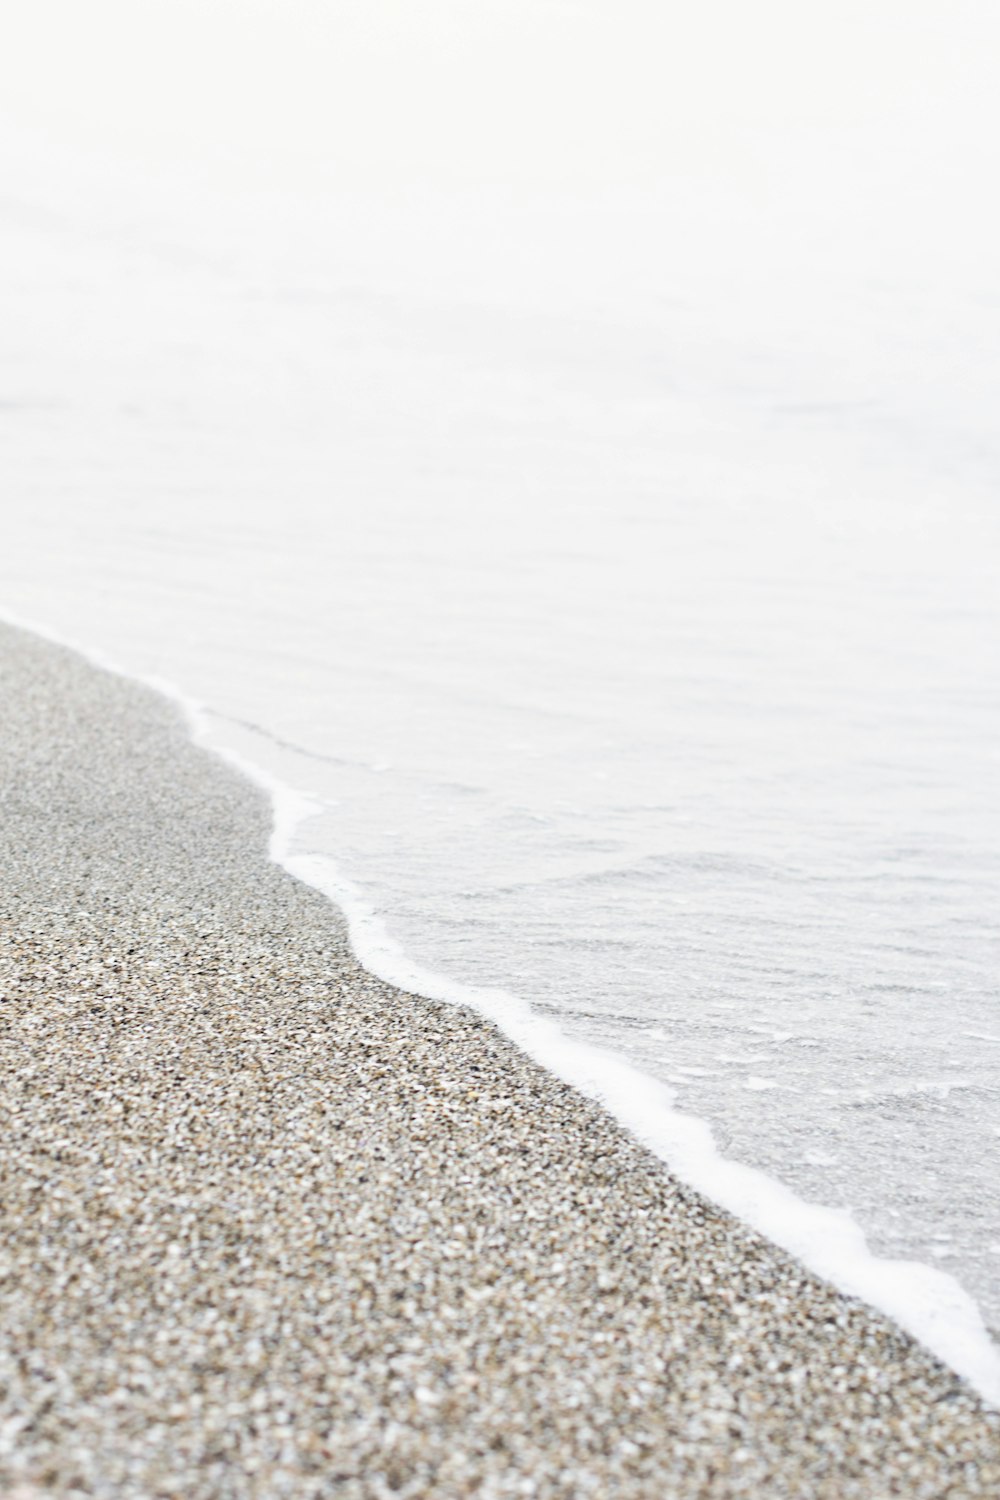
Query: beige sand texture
x=273 y=1228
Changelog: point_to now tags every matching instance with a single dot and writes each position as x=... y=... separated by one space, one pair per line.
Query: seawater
x=585 y=493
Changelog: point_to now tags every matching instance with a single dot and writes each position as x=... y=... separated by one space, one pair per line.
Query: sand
x=273 y=1228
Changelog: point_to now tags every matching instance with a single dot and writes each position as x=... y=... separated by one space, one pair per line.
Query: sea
x=554 y=447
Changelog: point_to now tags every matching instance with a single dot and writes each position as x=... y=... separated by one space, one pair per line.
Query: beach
x=588 y=513
x=272 y=1227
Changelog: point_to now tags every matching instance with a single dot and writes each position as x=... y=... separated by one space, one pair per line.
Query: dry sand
x=273 y=1228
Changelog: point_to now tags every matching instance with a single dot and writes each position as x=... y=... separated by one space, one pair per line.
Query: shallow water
x=607 y=537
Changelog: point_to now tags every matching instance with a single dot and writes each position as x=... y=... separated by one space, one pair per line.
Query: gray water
x=603 y=526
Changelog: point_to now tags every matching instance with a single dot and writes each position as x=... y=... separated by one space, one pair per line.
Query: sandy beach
x=272 y=1228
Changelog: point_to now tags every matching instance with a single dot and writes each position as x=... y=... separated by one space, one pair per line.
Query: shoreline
x=276 y=1227
x=925 y=1300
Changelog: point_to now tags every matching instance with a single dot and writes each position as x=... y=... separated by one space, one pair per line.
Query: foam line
x=923 y=1300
